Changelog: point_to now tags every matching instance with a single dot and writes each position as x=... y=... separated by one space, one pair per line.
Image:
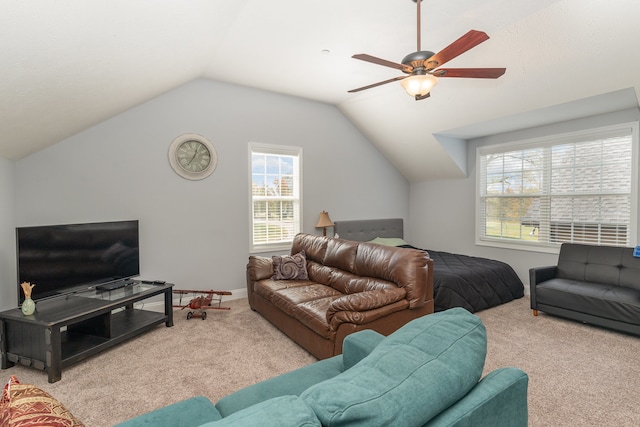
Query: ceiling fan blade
x=377 y=84
x=379 y=61
x=470 y=40
x=473 y=73
x=419 y=97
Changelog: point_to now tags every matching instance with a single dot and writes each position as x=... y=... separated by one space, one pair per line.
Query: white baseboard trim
x=159 y=305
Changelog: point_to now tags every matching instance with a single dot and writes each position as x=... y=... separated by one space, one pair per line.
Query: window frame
x=272 y=149
x=549 y=141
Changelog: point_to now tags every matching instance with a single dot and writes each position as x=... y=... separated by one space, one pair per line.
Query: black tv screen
x=60 y=259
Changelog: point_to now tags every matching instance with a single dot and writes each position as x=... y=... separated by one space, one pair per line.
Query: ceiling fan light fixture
x=419 y=84
x=421 y=66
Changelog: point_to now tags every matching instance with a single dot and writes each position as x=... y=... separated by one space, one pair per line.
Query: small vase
x=28 y=306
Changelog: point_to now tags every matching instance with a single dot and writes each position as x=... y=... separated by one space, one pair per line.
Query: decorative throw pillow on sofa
x=26 y=405
x=290 y=267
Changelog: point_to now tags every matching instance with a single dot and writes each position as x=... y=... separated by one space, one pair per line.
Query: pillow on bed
x=389 y=241
x=292 y=267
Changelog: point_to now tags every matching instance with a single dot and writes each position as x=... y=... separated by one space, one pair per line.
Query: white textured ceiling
x=67 y=65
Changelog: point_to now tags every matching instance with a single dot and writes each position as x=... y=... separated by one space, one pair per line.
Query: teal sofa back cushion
x=410 y=377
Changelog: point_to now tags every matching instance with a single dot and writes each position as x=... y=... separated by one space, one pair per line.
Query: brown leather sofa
x=351 y=286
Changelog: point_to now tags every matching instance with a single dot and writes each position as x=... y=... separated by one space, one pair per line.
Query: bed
x=458 y=280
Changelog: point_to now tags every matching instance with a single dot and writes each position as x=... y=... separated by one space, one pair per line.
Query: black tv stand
x=67 y=329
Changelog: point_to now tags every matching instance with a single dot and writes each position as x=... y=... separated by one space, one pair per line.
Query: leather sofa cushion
x=268 y=287
x=414 y=374
x=630 y=270
x=400 y=267
x=301 y=294
x=607 y=301
x=303 y=300
x=314 y=304
x=313 y=315
x=349 y=283
x=308 y=304
x=314 y=246
x=341 y=254
x=599 y=264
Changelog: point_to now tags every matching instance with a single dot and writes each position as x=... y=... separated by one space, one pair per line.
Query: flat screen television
x=62 y=259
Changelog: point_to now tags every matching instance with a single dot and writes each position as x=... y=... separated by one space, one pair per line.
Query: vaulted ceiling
x=67 y=65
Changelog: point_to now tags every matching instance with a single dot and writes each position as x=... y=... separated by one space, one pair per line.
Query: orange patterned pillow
x=24 y=405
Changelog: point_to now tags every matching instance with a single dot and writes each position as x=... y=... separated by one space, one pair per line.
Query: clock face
x=192 y=156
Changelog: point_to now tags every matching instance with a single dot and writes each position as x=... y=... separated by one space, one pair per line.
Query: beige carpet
x=579 y=375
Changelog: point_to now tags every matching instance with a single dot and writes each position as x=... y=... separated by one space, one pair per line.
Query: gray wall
x=442 y=213
x=8 y=297
x=195 y=233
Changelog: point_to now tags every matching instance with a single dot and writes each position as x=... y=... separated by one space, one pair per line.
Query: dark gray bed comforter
x=471 y=282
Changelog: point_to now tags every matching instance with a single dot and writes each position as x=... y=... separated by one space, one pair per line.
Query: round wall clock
x=192 y=156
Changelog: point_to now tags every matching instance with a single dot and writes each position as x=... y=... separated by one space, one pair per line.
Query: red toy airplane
x=202 y=302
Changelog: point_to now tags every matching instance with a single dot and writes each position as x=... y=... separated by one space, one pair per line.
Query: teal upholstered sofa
x=427 y=373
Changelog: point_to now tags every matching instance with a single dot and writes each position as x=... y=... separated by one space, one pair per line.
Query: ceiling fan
x=421 y=67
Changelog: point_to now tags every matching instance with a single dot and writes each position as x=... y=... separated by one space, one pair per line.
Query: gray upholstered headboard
x=363 y=230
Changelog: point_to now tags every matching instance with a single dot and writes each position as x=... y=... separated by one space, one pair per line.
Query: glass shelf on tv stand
x=116 y=294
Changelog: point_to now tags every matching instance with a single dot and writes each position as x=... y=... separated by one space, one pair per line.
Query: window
x=275 y=196
x=575 y=188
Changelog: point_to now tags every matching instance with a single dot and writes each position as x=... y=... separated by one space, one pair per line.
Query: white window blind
x=275 y=196
x=573 y=189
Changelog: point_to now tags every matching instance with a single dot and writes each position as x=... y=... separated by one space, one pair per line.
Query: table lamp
x=323 y=222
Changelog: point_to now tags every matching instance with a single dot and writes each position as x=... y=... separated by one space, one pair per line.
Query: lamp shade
x=419 y=84
x=324 y=220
